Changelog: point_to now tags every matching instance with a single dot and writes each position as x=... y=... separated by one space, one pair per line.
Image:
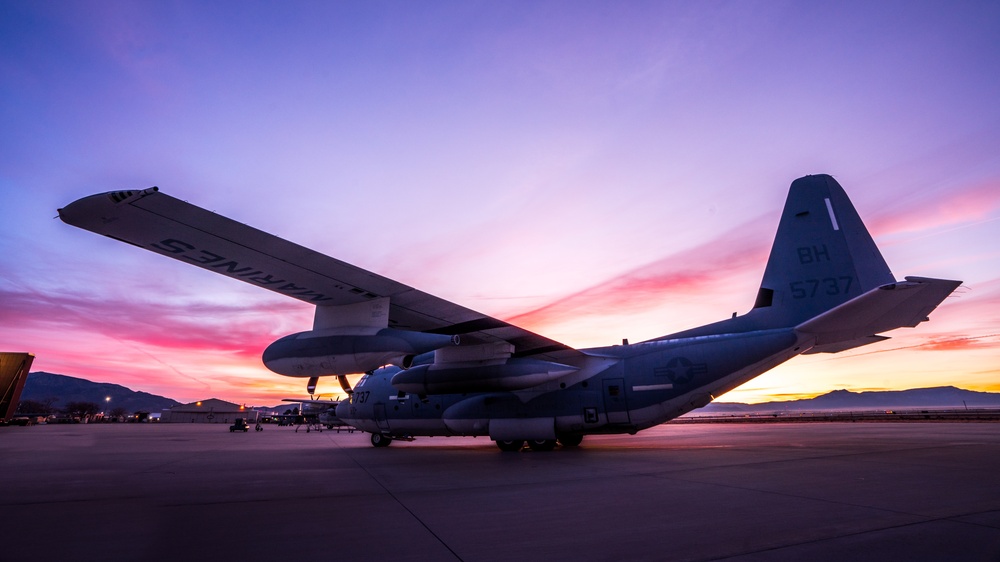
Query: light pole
x=107 y=404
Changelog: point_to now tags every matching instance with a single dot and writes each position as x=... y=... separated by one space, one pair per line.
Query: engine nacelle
x=516 y=374
x=332 y=352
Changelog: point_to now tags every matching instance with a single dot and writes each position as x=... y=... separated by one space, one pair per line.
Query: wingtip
x=85 y=209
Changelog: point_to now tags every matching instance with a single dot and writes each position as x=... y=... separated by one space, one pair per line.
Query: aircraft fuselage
x=623 y=389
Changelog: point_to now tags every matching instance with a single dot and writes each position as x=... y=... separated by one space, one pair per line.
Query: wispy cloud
x=201 y=326
x=707 y=269
x=967 y=205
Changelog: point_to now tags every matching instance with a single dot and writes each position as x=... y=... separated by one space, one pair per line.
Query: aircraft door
x=614 y=401
x=380 y=418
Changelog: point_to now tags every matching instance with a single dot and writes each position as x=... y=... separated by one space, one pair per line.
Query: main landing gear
x=571 y=440
x=515 y=445
x=379 y=440
x=510 y=446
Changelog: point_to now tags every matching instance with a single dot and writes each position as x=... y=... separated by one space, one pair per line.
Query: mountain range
x=61 y=389
x=936 y=397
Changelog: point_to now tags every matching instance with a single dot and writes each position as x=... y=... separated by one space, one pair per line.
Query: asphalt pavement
x=767 y=492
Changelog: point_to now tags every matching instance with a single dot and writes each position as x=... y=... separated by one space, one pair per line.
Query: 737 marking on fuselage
x=830 y=286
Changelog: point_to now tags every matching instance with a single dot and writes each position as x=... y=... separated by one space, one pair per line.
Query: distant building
x=13 y=372
x=212 y=410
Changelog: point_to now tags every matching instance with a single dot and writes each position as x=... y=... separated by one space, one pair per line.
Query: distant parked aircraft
x=315 y=414
x=436 y=368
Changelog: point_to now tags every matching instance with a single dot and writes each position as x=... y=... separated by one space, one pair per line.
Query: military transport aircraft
x=437 y=368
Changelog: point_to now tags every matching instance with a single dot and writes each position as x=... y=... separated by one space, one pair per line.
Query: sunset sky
x=591 y=171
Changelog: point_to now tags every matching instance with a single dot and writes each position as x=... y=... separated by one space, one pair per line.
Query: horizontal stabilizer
x=895 y=305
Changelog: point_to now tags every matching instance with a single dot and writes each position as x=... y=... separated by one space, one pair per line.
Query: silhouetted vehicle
x=240 y=425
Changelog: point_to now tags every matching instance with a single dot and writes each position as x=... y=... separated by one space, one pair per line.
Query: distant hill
x=937 y=397
x=42 y=387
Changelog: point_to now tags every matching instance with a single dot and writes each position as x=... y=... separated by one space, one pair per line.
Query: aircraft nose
x=344 y=409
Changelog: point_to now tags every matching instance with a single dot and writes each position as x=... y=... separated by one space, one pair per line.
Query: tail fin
x=822 y=255
x=826 y=278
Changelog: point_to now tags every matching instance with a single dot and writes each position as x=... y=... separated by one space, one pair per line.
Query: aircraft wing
x=170 y=227
x=895 y=305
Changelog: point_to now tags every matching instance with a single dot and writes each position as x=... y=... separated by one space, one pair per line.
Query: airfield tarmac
x=822 y=491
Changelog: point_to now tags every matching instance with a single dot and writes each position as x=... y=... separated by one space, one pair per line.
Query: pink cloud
x=238 y=330
x=970 y=204
x=706 y=269
x=173 y=347
x=962 y=343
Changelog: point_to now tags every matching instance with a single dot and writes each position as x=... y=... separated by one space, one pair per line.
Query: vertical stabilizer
x=822 y=255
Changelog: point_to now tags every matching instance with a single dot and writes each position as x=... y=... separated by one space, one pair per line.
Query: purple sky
x=592 y=171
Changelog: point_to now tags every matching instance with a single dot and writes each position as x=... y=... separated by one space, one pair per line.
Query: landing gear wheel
x=542 y=444
x=511 y=446
x=379 y=440
x=570 y=440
